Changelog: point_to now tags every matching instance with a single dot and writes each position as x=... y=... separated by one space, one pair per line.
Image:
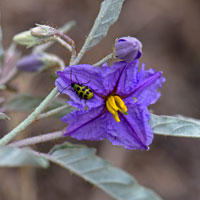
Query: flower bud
x=44 y=31
x=30 y=63
x=128 y=48
x=39 y=62
x=27 y=39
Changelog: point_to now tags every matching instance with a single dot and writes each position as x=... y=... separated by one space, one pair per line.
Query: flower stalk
x=38 y=139
x=105 y=59
x=52 y=112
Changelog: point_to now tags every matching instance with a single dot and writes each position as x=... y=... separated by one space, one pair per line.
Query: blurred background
x=169 y=31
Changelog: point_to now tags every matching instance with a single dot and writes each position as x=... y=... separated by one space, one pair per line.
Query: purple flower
x=128 y=48
x=118 y=110
x=30 y=63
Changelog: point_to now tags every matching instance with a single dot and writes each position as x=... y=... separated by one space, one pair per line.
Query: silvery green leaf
x=83 y=162
x=27 y=102
x=175 y=126
x=1 y=48
x=108 y=14
x=4 y=116
x=15 y=157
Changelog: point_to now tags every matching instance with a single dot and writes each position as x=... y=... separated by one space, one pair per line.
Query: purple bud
x=128 y=48
x=30 y=63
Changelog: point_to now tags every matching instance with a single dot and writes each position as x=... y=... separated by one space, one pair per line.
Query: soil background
x=169 y=31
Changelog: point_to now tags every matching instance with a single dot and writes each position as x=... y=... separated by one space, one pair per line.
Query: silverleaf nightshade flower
x=128 y=48
x=118 y=110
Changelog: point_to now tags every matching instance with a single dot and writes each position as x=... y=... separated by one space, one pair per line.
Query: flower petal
x=128 y=79
x=87 y=125
x=83 y=75
x=133 y=131
x=111 y=75
x=145 y=92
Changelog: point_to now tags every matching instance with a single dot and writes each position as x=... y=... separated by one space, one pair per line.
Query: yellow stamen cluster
x=115 y=104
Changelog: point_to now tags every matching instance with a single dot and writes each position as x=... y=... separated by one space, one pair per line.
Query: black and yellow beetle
x=82 y=91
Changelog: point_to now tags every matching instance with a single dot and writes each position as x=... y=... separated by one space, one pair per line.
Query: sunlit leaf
x=108 y=14
x=4 y=116
x=83 y=162
x=175 y=126
x=15 y=157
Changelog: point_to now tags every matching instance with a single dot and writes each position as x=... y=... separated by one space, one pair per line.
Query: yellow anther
x=112 y=103
x=109 y=107
x=116 y=116
x=120 y=103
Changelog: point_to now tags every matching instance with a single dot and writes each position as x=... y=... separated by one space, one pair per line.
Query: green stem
x=63 y=43
x=52 y=112
x=70 y=41
x=8 y=137
x=103 y=60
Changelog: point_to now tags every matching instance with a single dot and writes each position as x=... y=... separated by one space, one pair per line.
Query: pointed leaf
x=175 y=126
x=15 y=157
x=108 y=15
x=83 y=162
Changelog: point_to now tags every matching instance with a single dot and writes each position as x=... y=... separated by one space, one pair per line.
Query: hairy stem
x=63 y=43
x=70 y=41
x=38 y=139
x=52 y=112
x=103 y=60
x=8 y=137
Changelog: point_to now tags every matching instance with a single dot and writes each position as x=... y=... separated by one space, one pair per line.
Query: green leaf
x=4 y=116
x=175 y=126
x=83 y=162
x=27 y=102
x=108 y=15
x=1 y=48
x=23 y=102
x=15 y=157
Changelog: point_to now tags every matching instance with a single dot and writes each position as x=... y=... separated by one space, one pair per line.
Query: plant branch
x=63 y=43
x=8 y=137
x=38 y=139
x=67 y=39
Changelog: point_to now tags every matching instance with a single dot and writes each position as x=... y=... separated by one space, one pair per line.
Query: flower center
x=115 y=104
